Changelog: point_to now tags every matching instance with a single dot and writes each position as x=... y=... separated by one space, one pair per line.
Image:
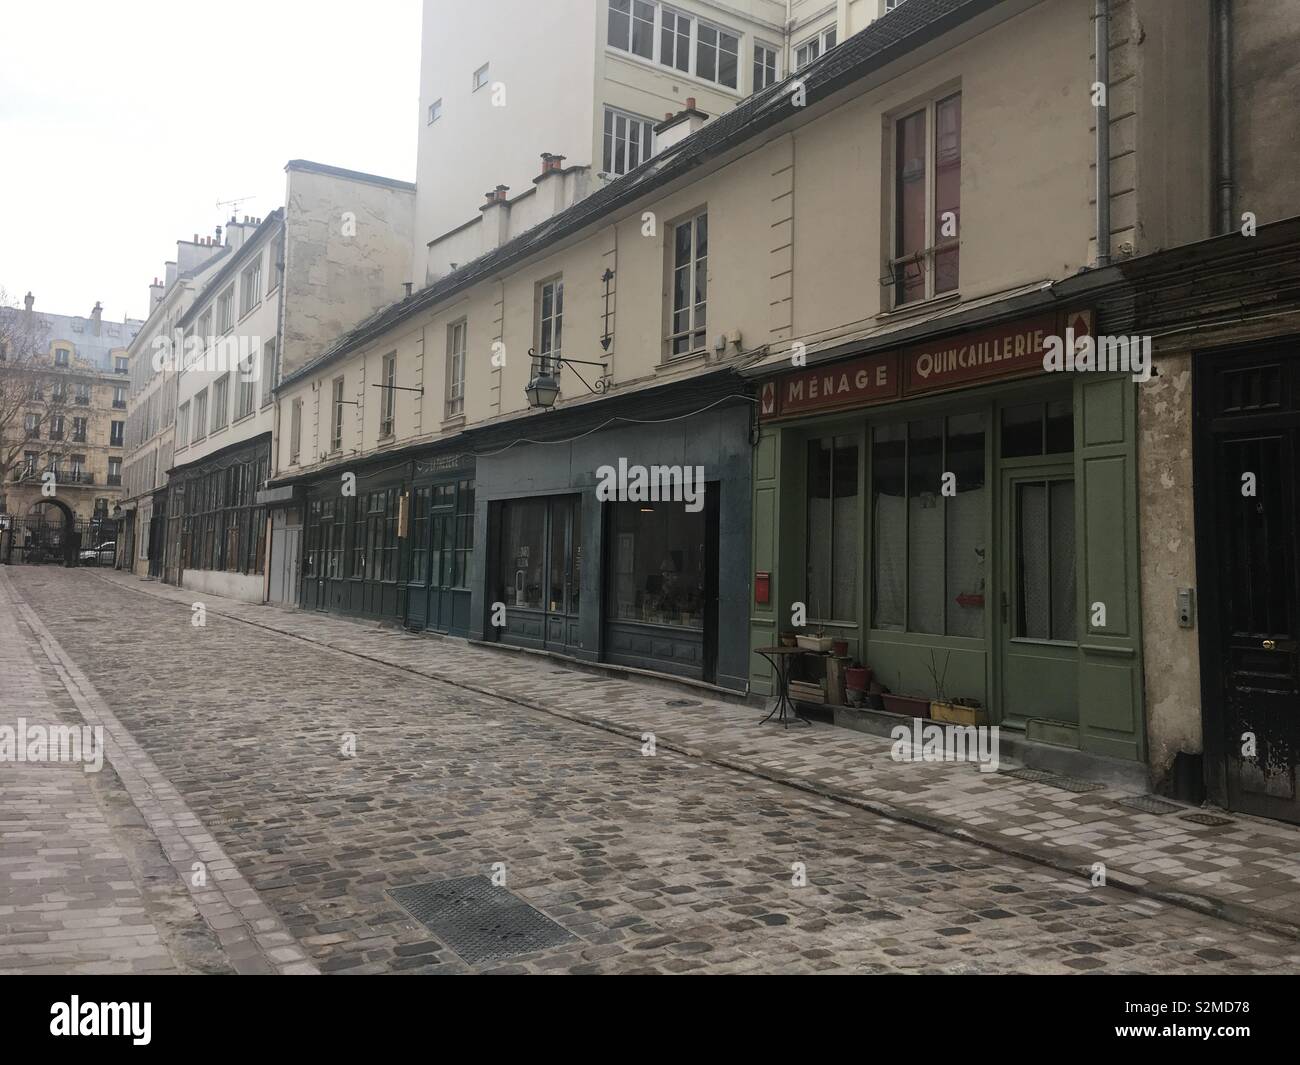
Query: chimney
x=28 y=301
x=676 y=128
x=156 y=291
x=170 y=273
x=96 y=314
x=496 y=218
x=218 y=236
x=551 y=185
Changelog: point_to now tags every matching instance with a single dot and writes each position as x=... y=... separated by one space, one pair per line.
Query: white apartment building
x=286 y=285
x=151 y=404
x=587 y=81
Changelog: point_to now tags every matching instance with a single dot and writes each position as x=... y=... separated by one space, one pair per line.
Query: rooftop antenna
x=233 y=204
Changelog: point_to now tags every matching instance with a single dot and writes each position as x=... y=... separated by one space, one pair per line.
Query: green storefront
x=953 y=510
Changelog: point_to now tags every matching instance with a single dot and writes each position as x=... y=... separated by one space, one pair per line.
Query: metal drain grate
x=681 y=702
x=1206 y=819
x=478 y=920
x=1054 y=780
x=1149 y=804
x=1035 y=776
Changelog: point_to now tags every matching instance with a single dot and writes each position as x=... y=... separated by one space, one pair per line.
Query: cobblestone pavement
x=1248 y=868
x=667 y=863
x=81 y=891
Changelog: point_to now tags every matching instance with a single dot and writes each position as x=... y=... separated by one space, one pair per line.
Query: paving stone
x=663 y=864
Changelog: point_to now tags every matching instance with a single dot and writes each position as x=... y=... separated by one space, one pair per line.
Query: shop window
x=1045 y=591
x=420 y=498
x=658 y=564
x=565 y=562
x=1033 y=429
x=464 y=533
x=928 y=548
x=523 y=546
x=834 y=539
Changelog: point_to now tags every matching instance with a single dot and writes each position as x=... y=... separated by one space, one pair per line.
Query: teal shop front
x=967 y=522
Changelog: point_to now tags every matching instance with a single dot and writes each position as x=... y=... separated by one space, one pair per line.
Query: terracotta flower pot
x=857 y=678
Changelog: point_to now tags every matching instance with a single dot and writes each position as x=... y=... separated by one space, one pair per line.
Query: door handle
x=1270 y=645
x=1004 y=608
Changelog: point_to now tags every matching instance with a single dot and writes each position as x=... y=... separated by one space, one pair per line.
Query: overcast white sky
x=123 y=124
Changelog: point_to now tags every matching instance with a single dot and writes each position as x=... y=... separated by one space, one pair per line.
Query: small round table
x=781 y=658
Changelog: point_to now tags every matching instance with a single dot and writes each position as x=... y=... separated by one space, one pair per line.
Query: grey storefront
x=657 y=584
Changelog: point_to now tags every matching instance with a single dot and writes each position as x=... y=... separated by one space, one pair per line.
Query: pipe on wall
x=1224 y=187
x=1101 y=76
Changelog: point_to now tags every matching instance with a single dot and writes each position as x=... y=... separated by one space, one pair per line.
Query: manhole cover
x=1206 y=819
x=681 y=702
x=478 y=920
x=1149 y=804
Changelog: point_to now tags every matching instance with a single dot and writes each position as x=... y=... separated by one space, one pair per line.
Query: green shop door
x=1039 y=604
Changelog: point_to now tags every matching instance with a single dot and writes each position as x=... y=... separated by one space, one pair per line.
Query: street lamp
x=545 y=386
x=542 y=390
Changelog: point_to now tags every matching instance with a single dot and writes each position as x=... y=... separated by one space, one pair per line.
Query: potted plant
x=953 y=711
x=857 y=677
x=907 y=705
x=789 y=639
x=819 y=641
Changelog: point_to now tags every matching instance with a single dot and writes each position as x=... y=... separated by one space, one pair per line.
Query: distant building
x=63 y=400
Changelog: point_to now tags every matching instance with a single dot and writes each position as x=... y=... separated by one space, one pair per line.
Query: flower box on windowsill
x=815 y=643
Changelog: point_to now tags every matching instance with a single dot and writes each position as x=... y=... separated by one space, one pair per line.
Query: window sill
x=456 y=421
x=677 y=362
x=244 y=417
x=244 y=317
x=673 y=72
x=920 y=308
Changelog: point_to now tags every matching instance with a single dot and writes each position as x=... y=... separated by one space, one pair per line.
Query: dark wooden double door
x=1248 y=511
x=442 y=557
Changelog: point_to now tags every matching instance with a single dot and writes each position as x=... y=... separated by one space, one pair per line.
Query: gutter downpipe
x=1101 y=28
x=1224 y=188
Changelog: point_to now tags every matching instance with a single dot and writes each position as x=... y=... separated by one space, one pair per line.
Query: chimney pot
x=196 y=239
x=28 y=300
x=690 y=103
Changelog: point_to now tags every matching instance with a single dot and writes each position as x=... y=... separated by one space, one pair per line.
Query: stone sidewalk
x=72 y=899
x=68 y=901
x=1245 y=870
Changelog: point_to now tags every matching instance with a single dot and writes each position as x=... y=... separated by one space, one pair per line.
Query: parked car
x=103 y=555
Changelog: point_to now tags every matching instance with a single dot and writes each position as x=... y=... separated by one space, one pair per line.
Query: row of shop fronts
x=963 y=519
x=1074 y=550
x=513 y=544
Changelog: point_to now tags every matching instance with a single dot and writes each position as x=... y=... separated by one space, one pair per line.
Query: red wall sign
x=871 y=379
x=1014 y=349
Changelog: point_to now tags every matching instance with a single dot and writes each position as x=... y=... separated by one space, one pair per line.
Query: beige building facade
x=587 y=81
x=875 y=250
x=66 y=436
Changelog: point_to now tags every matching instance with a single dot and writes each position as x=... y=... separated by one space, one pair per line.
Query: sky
x=124 y=124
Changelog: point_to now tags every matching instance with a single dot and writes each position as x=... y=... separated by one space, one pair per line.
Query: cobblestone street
x=226 y=746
